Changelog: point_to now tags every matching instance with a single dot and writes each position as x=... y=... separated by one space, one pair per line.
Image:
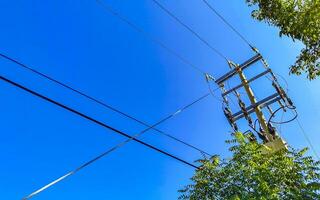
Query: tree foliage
x=300 y=20
x=251 y=174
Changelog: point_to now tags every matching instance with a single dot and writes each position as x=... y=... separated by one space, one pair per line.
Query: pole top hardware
x=266 y=131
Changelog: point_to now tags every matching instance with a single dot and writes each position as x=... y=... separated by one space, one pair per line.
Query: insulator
x=265 y=63
x=273 y=76
x=225 y=100
x=252 y=137
x=227 y=113
x=244 y=110
x=209 y=77
x=286 y=97
x=237 y=94
x=280 y=91
x=276 y=86
x=272 y=131
x=283 y=107
x=235 y=126
x=230 y=63
x=242 y=105
x=290 y=101
x=282 y=94
x=250 y=120
x=255 y=49
x=262 y=136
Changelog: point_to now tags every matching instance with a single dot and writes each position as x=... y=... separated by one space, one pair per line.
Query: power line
x=110 y=10
x=93 y=120
x=86 y=164
x=100 y=102
x=211 y=91
x=304 y=133
x=190 y=29
x=227 y=23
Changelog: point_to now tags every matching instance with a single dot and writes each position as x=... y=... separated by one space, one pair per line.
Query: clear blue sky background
x=80 y=44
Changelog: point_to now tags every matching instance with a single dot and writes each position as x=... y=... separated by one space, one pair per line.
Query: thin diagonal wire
x=211 y=91
x=304 y=133
x=98 y=101
x=86 y=164
x=190 y=29
x=93 y=120
x=227 y=23
x=233 y=94
x=280 y=125
x=109 y=9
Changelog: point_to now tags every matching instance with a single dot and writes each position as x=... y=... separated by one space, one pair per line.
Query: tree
x=299 y=20
x=252 y=174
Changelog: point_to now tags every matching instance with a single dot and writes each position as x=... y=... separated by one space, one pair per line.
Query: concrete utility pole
x=253 y=101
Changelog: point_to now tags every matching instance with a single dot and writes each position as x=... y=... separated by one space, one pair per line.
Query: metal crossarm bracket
x=250 y=80
x=263 y=103
x=243 y=66
x=267 y=133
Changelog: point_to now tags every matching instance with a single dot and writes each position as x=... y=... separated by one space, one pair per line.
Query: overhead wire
x=252 y=47
x=20 y=64
x=280 y=125
x=295 y=118
x=105 y=153
x=227 y=23
x=305 y=135
x=102 y=124
x=110 y=10
x=211 y=91
x=293 y=109
x=216 y=51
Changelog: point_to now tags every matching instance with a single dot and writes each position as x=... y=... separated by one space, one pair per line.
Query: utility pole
x=253 y=101
x=266 y=132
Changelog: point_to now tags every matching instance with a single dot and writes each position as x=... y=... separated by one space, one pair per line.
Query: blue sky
x=82 y=45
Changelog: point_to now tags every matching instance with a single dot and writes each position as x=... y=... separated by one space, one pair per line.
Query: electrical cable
x=283 y=122
x=231 y=99
x=109 y=9
x=98 y=101
x=304 y=133
x=248 y=43
x=293 y=109
x=284 y=80
x=211 y=91
x=227 y=23
x=86 y=164
x=92 y=119
x=190 y=29
x=254 y=129
x=280 y=125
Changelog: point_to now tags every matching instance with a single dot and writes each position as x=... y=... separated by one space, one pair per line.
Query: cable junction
x=24 y=66
x=86 y=164
x=216 y=51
